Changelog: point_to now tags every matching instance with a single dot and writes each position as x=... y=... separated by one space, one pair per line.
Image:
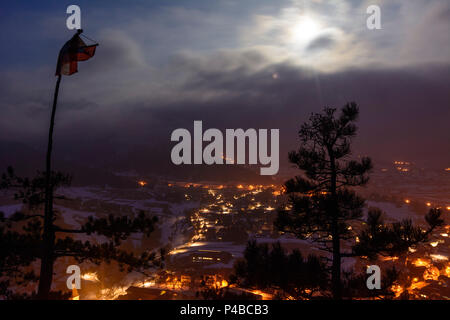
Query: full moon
x=305 y=30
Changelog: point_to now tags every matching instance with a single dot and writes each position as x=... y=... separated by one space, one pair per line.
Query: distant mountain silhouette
x=98 y=166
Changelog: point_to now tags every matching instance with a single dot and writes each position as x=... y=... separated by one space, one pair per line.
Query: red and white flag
x=73 y=51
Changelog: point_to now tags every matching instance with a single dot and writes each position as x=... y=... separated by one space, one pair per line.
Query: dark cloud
x=321 y=43
x=404 y=113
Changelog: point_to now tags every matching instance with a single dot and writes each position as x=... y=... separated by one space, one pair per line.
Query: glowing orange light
x=438 y=257
x=90 y=276
x=407 y=201
x=265 y=296
x=75 y=295
x=421 y=263
x=428 y=204
x=389 y=258
x=142 y=183
x=397 y=289
x=432 y=273
x=417 y=285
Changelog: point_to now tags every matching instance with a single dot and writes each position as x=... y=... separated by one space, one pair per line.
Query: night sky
x=233 y=64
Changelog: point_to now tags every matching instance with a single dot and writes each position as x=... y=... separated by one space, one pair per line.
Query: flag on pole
x=73 y=51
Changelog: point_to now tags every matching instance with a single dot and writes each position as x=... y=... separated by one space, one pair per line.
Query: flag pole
x=48 y=237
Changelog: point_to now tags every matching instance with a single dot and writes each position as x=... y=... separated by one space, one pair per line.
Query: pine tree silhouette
x=21 y=237
x=287 y=274
x=322 y=204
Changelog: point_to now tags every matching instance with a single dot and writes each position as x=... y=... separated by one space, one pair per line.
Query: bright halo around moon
x=304 y=31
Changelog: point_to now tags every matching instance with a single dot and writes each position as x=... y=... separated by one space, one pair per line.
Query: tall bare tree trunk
x=336 y=242
x=336 y=267
x=48 y=237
